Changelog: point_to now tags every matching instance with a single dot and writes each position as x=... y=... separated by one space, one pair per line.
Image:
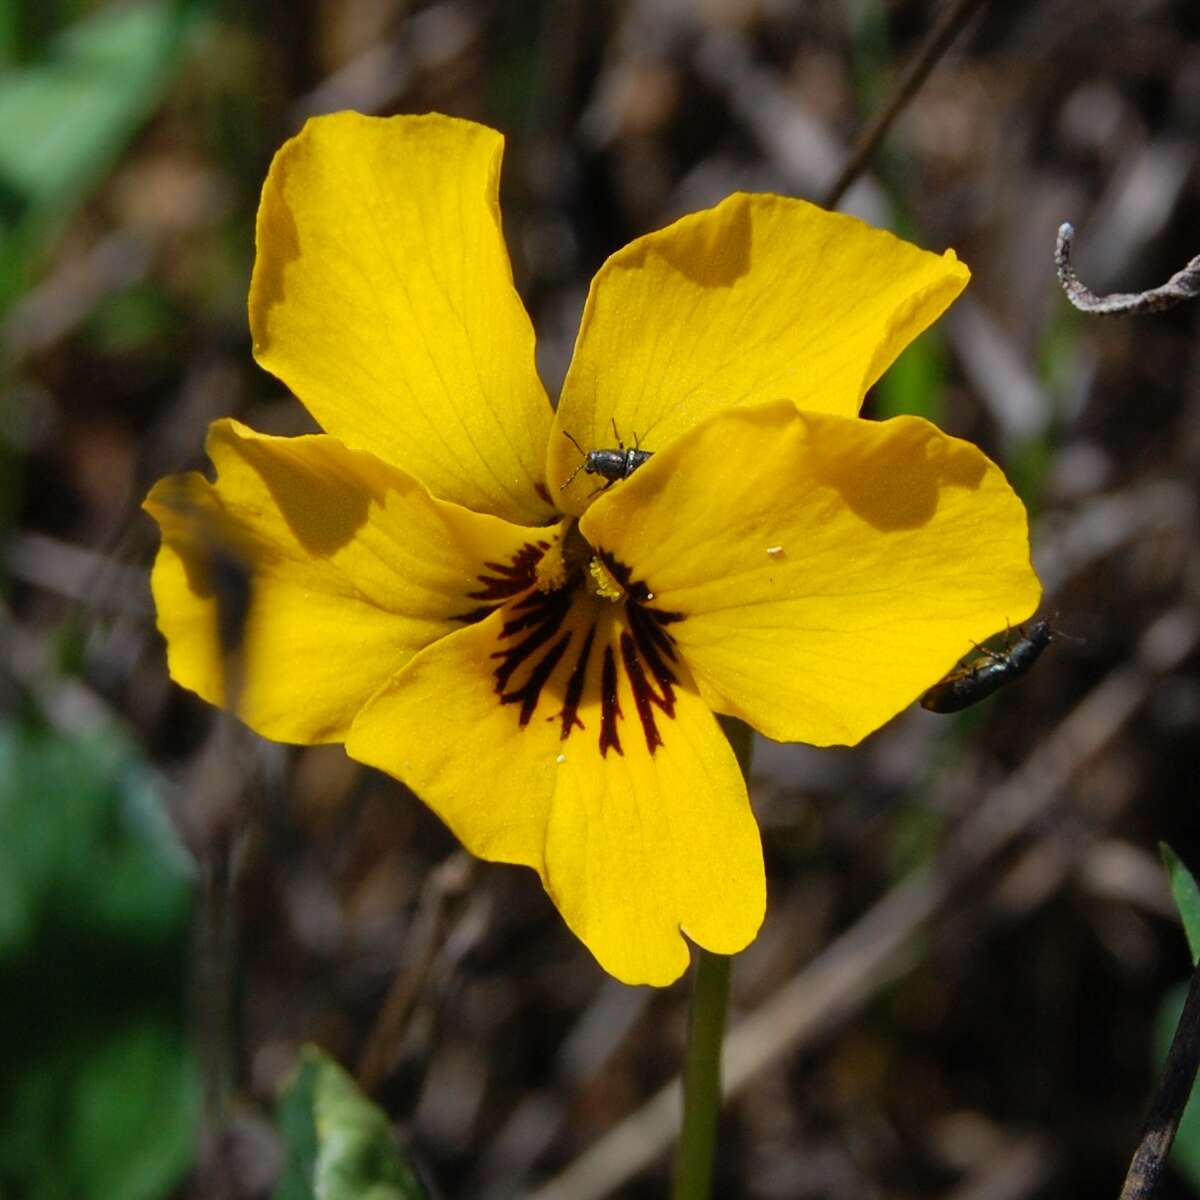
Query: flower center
x=578 y=638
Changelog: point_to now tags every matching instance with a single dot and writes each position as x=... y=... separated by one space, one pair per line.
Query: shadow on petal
x=278 y=242
x=322 y=515
x=712 y=252
x=896 y=485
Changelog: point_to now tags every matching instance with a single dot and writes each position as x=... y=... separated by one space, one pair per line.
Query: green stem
x=702 y=1078
x=706 y=1027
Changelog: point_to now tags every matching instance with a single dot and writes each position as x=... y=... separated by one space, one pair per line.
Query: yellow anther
x=603 y=582
x=551 y=571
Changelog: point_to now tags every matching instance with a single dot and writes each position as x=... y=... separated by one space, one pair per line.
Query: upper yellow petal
x=761 y=298
x=637 y=821
x=383 y=297
x=827 y=570
x=309 y=574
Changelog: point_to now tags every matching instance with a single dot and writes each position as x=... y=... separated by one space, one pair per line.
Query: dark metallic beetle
x=611 y=465
x=978 y=677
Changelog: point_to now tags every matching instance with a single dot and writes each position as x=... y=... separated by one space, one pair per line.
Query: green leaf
x=338 y=1145
x=296 y=1119
x=99 y=1089
x=66 y=117
x=84 y=839
x=10 y=24
x=134 y=1112
x=1187 y=898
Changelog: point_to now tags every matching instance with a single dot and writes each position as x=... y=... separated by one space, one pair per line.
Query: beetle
x=612 y=465
x=977 y=678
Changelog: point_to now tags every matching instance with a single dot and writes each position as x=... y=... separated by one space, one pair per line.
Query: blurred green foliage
x=98 y=1088
x=338 y=1145
x=915 y=383
x=871 y=54
x=140 y=320
x=68 y=110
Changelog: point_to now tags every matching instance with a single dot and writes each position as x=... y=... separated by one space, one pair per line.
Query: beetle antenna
x=570 y=478
x=620 y=444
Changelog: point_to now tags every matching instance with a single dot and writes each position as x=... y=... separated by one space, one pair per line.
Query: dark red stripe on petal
x=652 y=643
x=646 y=652
x=531 y=691
x=570 y=709
x=644 y=696
x=655 y=636
x=545 y=620
x=664 y=616
x=610 y=707
x=536 y=614
x=539 y=631
x=503 y=581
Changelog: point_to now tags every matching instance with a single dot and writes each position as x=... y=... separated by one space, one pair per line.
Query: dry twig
x=945 y=29
x=1166 y=1109
x=451 y=879
x=1183 y=285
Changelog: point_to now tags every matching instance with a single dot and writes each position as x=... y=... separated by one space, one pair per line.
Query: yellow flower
x=541 y=663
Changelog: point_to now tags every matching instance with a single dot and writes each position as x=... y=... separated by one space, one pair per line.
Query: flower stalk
x=696 y=1151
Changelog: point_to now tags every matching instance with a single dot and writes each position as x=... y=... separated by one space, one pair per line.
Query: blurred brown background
x=985 y=1027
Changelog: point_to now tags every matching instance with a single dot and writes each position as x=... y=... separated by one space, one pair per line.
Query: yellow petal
x=308 y=574
x=761 y=298
x=383 y=297
x=827 y=569
x=634 y=814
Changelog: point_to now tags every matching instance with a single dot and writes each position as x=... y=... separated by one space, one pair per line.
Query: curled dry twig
x=1183 y=285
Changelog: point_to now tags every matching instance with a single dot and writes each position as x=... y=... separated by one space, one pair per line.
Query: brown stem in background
x=385 y=1041
x=945 y=29
x=1166 y=1109
x=1183 y=285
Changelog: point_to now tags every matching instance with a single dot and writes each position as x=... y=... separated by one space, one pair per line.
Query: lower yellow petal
x=669 y=831
x=826 y=570
x=632 y=811
x=308 y=574
x=760 y=298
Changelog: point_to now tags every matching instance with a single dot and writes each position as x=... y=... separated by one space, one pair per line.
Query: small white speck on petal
x=775 y=551
x=562 y=758
x=649 y=595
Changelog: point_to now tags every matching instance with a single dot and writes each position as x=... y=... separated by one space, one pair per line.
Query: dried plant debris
x=1183 y=285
